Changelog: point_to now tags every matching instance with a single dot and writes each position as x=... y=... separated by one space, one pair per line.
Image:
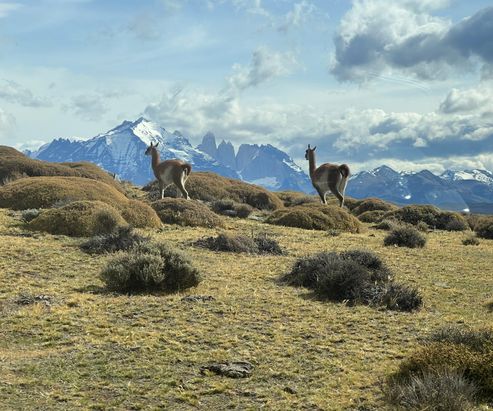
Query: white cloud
x=381 y=36
x=7 y=126
x=297 y=16
x=464 y=101
x=265 y=65
x=90 y=107
x=13 y=92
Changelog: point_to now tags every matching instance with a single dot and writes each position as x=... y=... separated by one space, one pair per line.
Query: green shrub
x=150 y=267
x=405 y=237
x=484 y=228
x=79 y=219
x=210 y=187
x=422 y=226
x=355 y=276
x=478 y=340
x=437 y=390
x=186 y=213
x=231 y=208
x=372 y=204
x=374 y=216
x=121 y=239
x=259 y=244
x=431 y=215
x=316 y=217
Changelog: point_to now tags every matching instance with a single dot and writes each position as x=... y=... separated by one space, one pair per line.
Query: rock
x=233 y=369
x=197 y=298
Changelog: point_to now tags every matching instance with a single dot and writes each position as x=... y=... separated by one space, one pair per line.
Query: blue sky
x=406 y=83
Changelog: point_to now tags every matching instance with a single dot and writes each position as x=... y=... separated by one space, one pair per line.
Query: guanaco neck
x=311 y=163
x=155 y=158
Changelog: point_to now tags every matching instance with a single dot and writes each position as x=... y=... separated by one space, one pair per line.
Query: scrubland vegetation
x=135 y=314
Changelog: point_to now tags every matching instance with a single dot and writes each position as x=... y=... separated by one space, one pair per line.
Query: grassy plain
x=81 y=347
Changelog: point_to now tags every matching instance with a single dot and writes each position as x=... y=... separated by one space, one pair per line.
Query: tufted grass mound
x=295 y=198
x=257 y=244
x=316 y=217
x=355 y=277
x=231 y=208
x=150 y=267
x=374 y=216
x=45 y=192
x=186 y=213
x=14 y=165
x=431 y=215
x=123 y=238
x=455 y=350
x=211 y=187
x=79 y=219
x=371 y=204
x=140 y=215
x=405 y=236
x=484 y=227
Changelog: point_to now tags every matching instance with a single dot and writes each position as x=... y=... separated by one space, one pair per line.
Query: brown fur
x=327 y=177
x=169 y=171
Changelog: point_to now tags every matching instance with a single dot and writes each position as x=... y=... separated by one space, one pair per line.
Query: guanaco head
x=149 y=149
x=309 y=151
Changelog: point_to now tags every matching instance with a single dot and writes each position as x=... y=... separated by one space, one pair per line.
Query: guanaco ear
x=157 y=144
x=308 y=146
x=314 y=148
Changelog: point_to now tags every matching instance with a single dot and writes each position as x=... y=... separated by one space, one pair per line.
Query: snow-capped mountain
x=121 y=151
x=469 y=190
x=263 y=165
x=483 y=176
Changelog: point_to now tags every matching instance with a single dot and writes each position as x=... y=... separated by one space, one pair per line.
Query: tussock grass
x=405 y=237
x=211 y=187
x=431 y=215
x=15 y=165
x=231 y=208
x=484 y=227
x=186 y=213
x=79 y=219
x=83 y=351
x=373 y=216
x=295 y=198
x=257 y=244
x=316 y=217
x=371 y=204
x=123 y=238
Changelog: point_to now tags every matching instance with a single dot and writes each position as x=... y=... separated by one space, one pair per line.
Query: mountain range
x=121 y=151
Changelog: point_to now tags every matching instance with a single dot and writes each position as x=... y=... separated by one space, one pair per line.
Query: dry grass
x=14 y=165
x=90 y=349
x=210 y=187
x=314 y=216
x=186 y=213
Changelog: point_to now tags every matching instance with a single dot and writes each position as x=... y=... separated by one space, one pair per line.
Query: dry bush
x=316 y=217
x=79 y=219
x=30 y=214
x=437 y=390
x=459 y=350
x=257 y=244
x=374 y=216
x=295 y=198
x=484 y=227
x=371 y=204
x=231 y=208
x=356 y=276
x=387 y=225
x=186 y=213
x=405 y=237
x=150 y=267
x=44 y=192
x=14 y=165
x=210 y=187
x=471 y=240
x=140 y=215
x=431 y=215
x=121 y=239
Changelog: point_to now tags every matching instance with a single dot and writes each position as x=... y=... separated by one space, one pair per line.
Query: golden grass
x=95 y=350
x=14 y=164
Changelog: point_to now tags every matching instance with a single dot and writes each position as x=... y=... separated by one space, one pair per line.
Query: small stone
x=233 y=369
x=197 y=298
